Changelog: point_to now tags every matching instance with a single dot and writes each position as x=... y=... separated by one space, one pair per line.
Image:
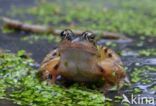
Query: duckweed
x=148 y=52
x=125 y=16
x=142 y=74
x=19 y=83
x=34 y=38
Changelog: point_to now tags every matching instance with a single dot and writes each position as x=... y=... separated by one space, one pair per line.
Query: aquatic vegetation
x=124 y=16
x=18 y=80
x=138 y=74
x=144 y=76
x=34 y=38
x=148 y=52
x=20 y=83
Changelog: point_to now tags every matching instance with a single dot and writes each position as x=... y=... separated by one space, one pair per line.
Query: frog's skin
x=78 y=58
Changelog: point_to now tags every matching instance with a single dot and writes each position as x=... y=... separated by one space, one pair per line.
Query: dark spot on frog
x=105 y=50
x=109 y=55
x=54 y=54
x=66 y=64
x=101 y=69
x=49 y=77
x=56 y=66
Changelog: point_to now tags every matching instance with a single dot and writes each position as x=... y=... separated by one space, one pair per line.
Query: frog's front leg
x=111 y=67
x=112 y=73
x=49 y=67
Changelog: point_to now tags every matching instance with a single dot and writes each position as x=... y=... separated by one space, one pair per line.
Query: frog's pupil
x=68 y=37
x=91 y=37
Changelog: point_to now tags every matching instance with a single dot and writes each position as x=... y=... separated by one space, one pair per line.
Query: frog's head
x=78 y=54
x=78 y=51
x=83 y=42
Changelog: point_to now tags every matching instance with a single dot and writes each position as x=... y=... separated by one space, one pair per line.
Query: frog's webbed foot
x=49 y=66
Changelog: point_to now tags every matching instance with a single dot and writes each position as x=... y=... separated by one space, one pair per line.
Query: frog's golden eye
x=67 y=34
x=88 y=36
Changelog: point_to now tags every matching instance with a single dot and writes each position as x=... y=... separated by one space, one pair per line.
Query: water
x=39 y=49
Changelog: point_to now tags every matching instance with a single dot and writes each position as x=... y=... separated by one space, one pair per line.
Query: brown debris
x=18 y=25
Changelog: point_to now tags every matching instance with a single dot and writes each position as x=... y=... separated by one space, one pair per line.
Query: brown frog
x=78 y=58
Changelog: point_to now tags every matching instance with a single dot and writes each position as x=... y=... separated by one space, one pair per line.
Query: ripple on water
x=151 y=61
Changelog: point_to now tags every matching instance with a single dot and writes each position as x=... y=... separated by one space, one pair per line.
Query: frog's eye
x=67 y=34
x=88 y=36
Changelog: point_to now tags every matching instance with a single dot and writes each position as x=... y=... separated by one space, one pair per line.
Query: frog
x=79 y=58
